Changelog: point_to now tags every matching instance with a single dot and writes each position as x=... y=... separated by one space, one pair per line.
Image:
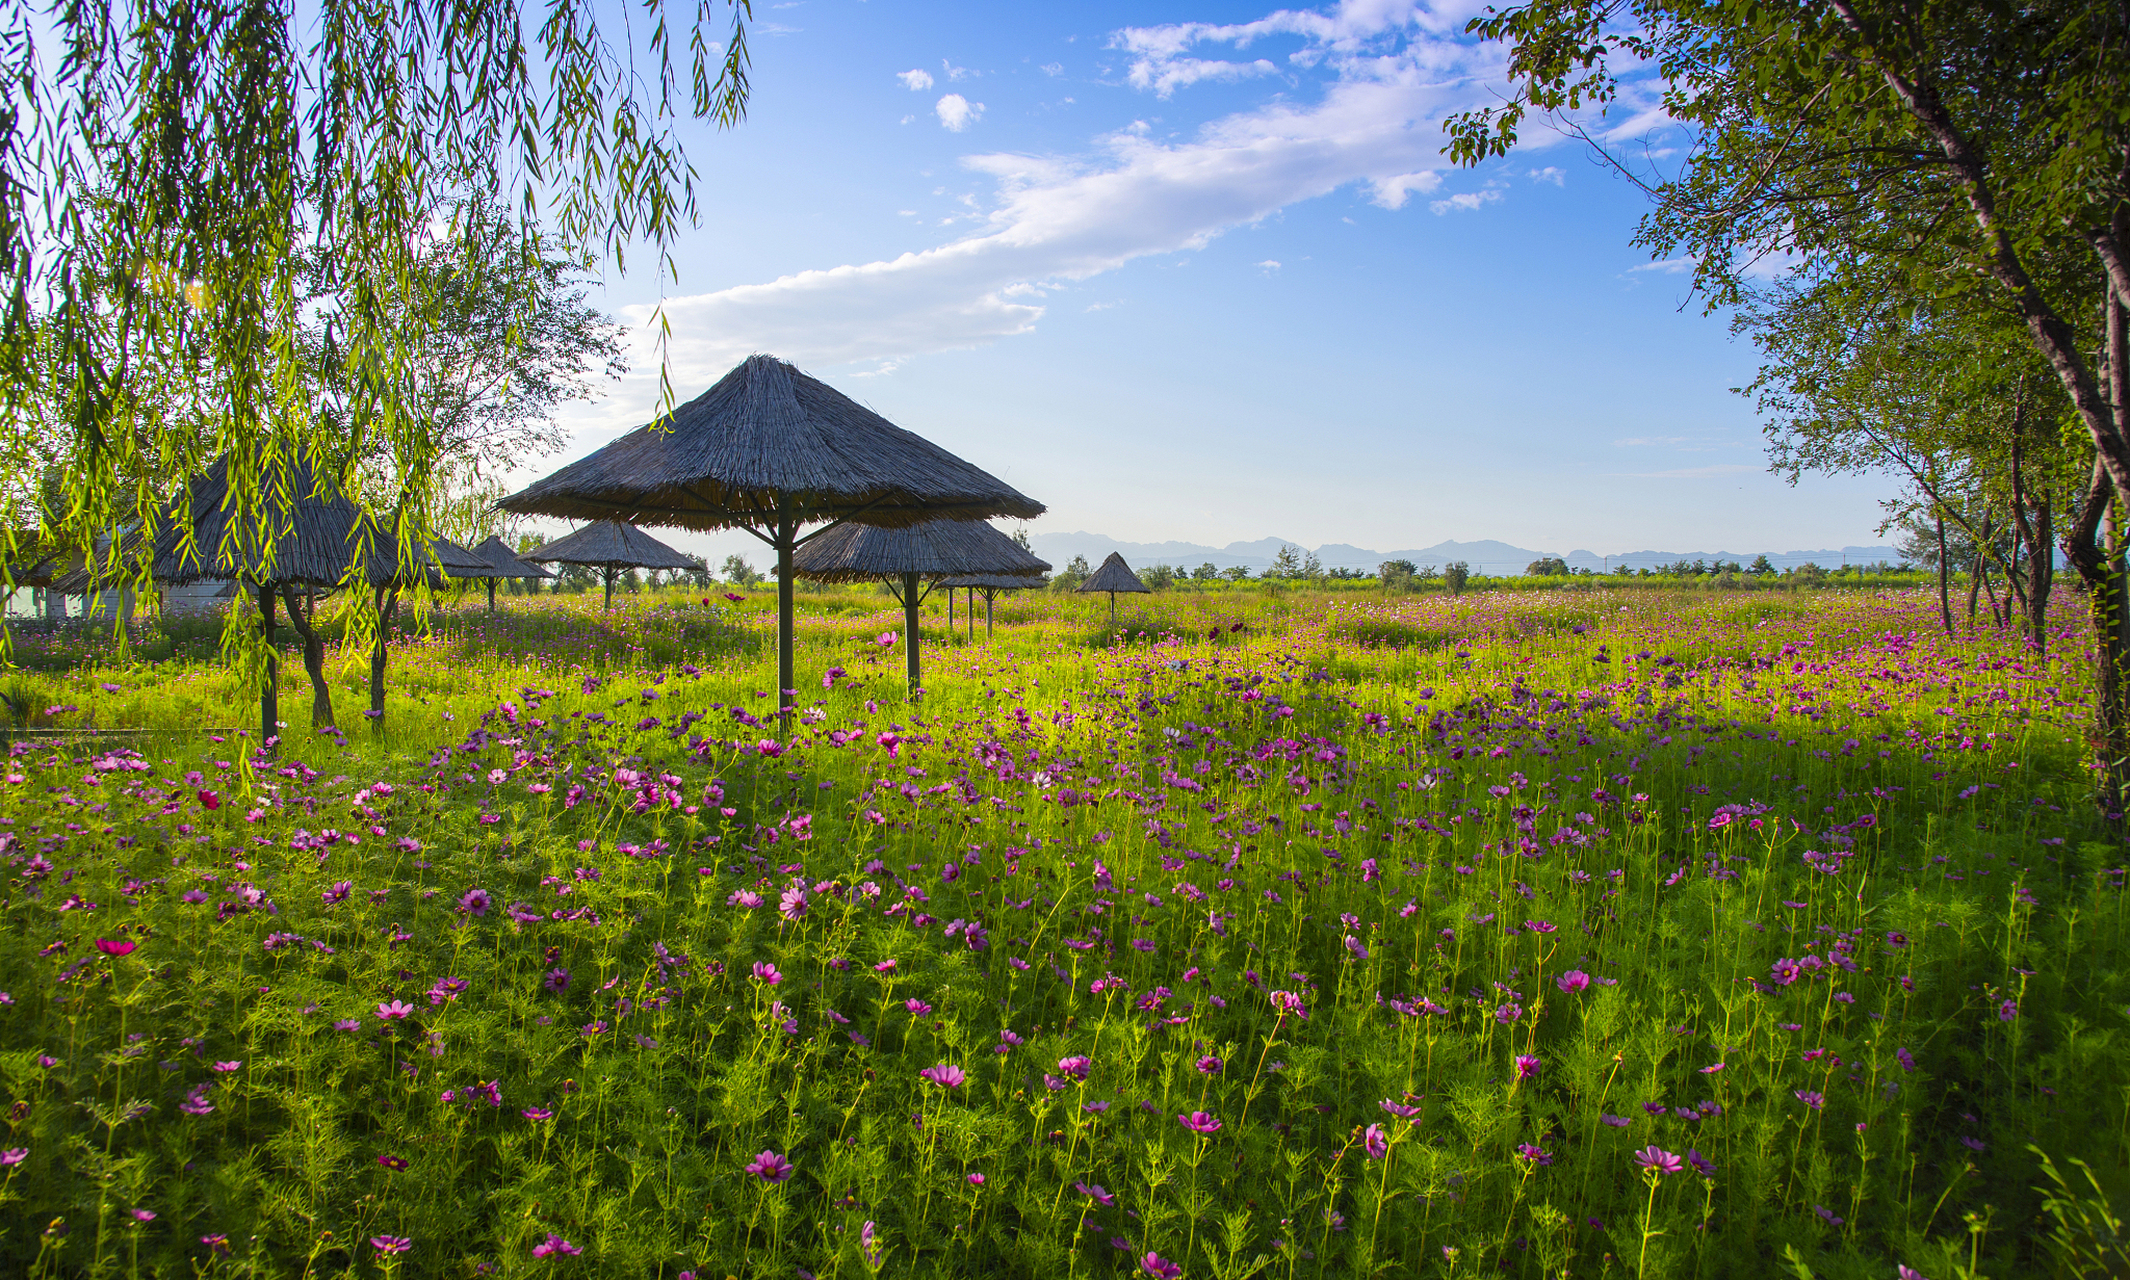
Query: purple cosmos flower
x=917 y=1008
x=1536 y=1155
x=1812 y=1098
x=1572 y=981
x=2005 y=1012
x=125 y=947
x=1399 y=1109
x=1210 y=1065
x=537 y=1113
x=976 y=1179
x=475 y=902
x=1095 y=1193
x=1905 y=1272
x=13 y=1156
x=1828 y=1214
x=867 y=1247
x=1701 y=1163
x=393 y=1163
x=391 y=1244
x=392 y=1010
x=142 y=1215
x=767 y=973
x=1375 y=1142
x=945 y=1075
x=1657 y=1160
x=770 y=1167
x=1286 y=1002
x=1616 y=1122
x=1154 y=1265
x=1907 y=1059
x=791 y=904
x=1076 y=1066
x=218 y=1243
x=555 y=1244
x=1199 y=1122
x=1526 y=1066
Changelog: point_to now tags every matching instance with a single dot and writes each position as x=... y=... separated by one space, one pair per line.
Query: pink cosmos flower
x=767 y=973
x=1199 y=1122
x=391 y=1244
x=116 y=946
x=1572 y=981
x=945 y=1075
x=393 y=1009
x=1657 y=1160
x=13 y=1156
x=1375 y=1142
x=555 y=1244
x=209 y=800
x=1154 y=1265
x=770 y=1167
x=1526 y=1066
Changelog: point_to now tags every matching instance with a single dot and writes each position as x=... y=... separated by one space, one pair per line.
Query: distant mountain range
x=1483 y=557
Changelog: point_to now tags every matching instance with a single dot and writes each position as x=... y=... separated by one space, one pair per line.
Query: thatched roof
x=934 y=549
x=97 y=572
x=766 y=434
x=1114 y=575
x=992 y=582
x=505 y=563
x=610 y=544
x=316 y=538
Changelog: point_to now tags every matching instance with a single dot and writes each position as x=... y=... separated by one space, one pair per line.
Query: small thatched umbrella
x=502 y=563
x=770 y=450
x=1113 y=576
x=314 y=540
x=990 y=584
x=934 y=550
x=611 y=546
x=101 y=569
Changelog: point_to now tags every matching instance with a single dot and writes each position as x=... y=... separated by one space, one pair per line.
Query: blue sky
x=1197 y=271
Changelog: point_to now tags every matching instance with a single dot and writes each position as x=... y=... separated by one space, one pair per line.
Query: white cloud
x=1053 y=68
x=1665 y=266
x=1372 y=119
x=957 y=113
x=1551 y=173
x=954 y=72
x=1270 y=265
x=1169 y=75
x=916 y=81
x=1465 y=201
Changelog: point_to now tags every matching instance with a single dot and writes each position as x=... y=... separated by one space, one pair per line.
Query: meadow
x=1605 y=932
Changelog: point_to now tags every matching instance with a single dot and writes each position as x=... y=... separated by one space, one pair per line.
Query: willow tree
x=213 y=223
x=1979 y=150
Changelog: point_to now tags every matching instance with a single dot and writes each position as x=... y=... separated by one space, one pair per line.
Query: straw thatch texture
x=765 y=438
x=1114 y=575
x=316 y=537
x=937 y=548
x=610 y=544
x=99 y=572
x=505 y=562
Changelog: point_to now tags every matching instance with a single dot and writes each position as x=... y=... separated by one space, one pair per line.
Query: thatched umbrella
x=1113 y=576
x=770 y=450
x=611 y=546
x=100 y=569
x=314 y=540
x=933 y=550
x=503 y=563
x=990 y=584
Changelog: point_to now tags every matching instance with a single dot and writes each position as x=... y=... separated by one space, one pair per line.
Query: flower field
x=1630 y=933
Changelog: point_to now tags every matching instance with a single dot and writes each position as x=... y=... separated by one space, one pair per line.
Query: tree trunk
x=2040 y=575
x=300 y=615
x=269 y=697
x=1944 y=587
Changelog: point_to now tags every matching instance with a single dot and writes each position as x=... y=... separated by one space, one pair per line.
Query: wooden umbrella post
x=787 y=528
x=491 y=595
x=269 y=701
x=990 y=594
x=909 y=628
x=606 y=575
x=950 y=613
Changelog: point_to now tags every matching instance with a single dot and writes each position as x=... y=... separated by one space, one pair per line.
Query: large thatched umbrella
x=611 y=546
x=311 y=541
x=1113 y=576
x=930 y=551
x=502 y=563
x=989 y=584
x=771 y=450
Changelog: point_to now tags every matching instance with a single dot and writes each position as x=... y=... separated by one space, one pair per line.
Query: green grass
x=1679 y=796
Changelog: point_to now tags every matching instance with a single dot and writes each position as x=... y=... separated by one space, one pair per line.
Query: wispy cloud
x=1465 y=201
x=916 y=81
x=1384 y=74
x=1692 y=473
x=1551 y=173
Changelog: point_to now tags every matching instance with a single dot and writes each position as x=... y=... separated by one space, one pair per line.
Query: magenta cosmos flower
x=393 y=1009
x=1572 y=981
x=391 y=1244
x=555 y=1244
x=116 y=946
x=1199 y=1122
x=1526 y=1066
x=770 y=1167
x=1375 y=1142
x=1658 y=1160
x=945 y=1075
x=1158 y=1267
